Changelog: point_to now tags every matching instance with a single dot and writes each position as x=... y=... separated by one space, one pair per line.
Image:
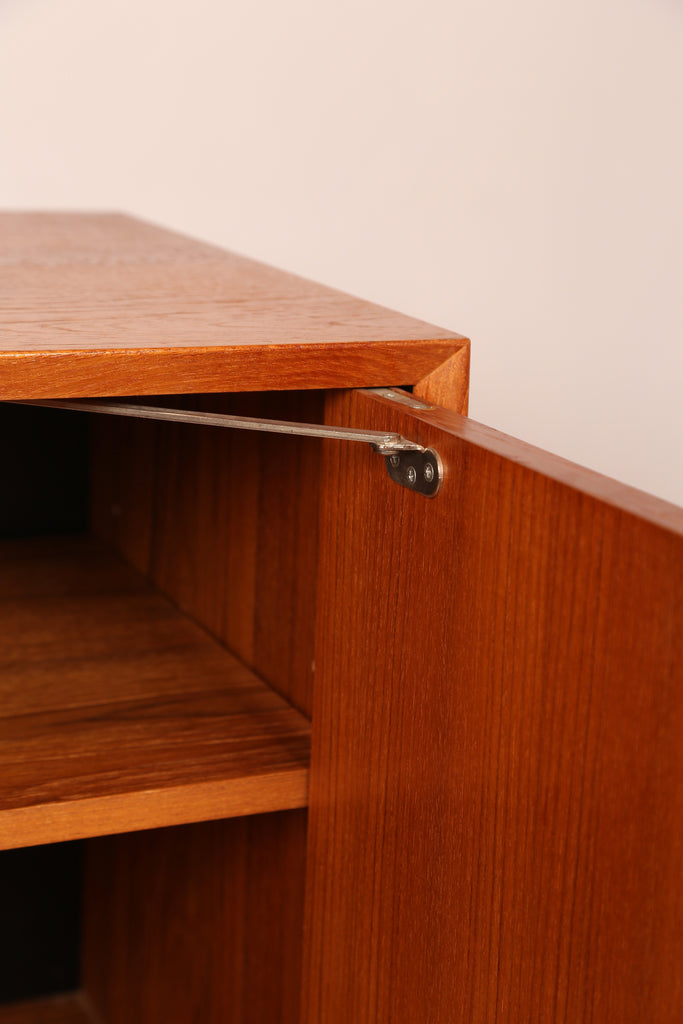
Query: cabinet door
x=496 y=807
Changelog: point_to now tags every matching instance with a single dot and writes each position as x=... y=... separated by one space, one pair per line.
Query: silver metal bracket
x=416 y=468
x=421 y=472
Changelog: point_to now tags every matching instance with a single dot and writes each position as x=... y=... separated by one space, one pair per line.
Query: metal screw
x=411 y=475
x=429 y=472
x=394 y=460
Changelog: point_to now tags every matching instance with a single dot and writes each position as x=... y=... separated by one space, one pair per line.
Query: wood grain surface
x=198 y=923
x=101 y=304
x=67 y=1009
x=207 y=920
x=496 y=811
x=118 y=713
x=448 y=386
x=223 y=522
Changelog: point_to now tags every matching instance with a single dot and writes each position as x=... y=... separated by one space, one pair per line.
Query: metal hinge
x=408 y=463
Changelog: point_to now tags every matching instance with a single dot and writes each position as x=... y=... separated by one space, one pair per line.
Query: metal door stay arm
x=408 y=463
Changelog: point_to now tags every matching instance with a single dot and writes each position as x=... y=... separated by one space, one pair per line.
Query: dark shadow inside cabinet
x=156 y=673
x=40 y=896
x=45 y=492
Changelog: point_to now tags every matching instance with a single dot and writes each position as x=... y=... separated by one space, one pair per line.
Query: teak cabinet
x=283 y=740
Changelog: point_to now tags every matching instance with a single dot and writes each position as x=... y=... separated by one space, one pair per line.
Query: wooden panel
x=118 y=713
x=200 y=923
x=224 y=522
x=69 y=1009
x=496 y=814
x=226 y=525
x=122 y=481
x=100 y=304
x=449 y=384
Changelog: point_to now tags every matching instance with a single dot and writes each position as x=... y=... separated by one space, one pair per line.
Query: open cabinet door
x=496 y=810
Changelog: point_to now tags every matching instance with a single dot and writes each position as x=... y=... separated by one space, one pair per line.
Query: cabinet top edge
x=87 y=296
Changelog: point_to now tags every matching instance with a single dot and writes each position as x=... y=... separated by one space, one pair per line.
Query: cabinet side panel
x=496 y=804
x=449 y=384
x=197 y=923
x=224 y=522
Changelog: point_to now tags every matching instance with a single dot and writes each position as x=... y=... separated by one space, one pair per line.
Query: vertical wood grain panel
x=204 y=923
x=224 y=522
x=287 y=551
x=122 y=482
x=449 y=384
x=197 y=923
x=205 y=527
x=496 y=809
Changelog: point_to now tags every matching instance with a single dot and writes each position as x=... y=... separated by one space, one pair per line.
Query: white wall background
x=509 y=170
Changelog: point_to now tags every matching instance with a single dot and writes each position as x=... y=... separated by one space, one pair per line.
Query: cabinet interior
x=158 y=582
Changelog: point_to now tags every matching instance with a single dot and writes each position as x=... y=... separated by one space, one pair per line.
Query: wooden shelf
x=68 y=1009
x=118 y=713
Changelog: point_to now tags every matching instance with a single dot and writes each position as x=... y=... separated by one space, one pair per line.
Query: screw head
x=394 y=460
x=429 y=472
x=411 y=474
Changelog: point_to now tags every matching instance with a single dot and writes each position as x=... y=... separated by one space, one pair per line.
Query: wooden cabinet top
x=96 y=304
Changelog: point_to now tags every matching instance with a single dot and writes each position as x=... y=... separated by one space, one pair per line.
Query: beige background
x=510 y=170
